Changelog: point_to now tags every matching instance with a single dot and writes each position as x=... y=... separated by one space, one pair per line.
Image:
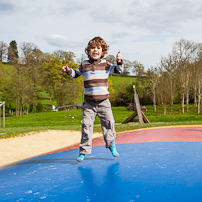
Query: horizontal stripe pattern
x=96 y=97
x=96 y=89
x=96 y=92
x=95 y=83
x=92 y=67
x=95 y=76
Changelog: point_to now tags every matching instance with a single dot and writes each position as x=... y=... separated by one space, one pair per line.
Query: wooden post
x=4 y=115
x=2 y=104
x=137 y=104
x=141 y=116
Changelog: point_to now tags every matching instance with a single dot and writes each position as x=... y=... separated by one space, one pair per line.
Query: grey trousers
x=103 y=110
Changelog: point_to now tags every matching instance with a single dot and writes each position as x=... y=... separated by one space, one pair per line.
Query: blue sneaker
x=113 y=150
x=80 y=157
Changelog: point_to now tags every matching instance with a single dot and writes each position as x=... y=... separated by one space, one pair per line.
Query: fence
x=69 y=107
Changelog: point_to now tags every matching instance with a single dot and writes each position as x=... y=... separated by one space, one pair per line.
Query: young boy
x=95 y=72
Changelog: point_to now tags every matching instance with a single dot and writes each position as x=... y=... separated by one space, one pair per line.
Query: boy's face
x=95 y=52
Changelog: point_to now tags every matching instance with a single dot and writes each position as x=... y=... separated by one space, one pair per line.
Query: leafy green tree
x=9 y=93
x=12 y=52
x=2 y=72
x=122 y=96
x=2 y=77
x=67 y=93
x=18 y=90
x=32 y=60
x=51 y=74
x=110 y=88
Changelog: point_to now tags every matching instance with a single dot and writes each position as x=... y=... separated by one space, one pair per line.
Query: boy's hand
x=118 y=56
x=65 y=69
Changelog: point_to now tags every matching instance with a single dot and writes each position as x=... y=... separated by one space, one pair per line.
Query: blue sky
x=144 y=30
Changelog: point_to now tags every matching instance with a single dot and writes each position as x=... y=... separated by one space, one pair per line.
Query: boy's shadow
x=97 y=185
x=70 y=161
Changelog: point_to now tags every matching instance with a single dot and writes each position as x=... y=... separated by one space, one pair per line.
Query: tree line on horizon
x=34 y=71
x=176 y=79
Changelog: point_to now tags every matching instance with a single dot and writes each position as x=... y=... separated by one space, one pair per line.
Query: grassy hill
x=117 y=79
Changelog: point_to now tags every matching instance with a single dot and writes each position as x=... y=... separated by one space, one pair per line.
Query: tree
x=3 y=50
x=138 y=68
x=51 y=73
x=163 y=90
x=81 y=59
x=111 y=59
x=183 y=53
x=196 y=72
x=2 y=76
x=67 y=92
x=8 y=91
x=27 y=49
x=127 y=66
x=12 y=52
x=168 y=64
x=18 y=89
x=47 y=57
x=65 y=56
x=32 y=59
x=152 y=79
x=122 y=96
x=197 y=67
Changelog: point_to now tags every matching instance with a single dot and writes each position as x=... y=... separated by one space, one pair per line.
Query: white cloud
x=56 y=40
x=60 y=42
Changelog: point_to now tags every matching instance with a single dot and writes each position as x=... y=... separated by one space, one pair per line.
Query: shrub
x=39 y=107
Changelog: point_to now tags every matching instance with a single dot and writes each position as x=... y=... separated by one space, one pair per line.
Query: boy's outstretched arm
x=118 y=56
x=69 y=71
x=118 y=68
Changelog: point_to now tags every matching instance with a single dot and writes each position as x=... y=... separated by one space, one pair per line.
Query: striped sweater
x=95 y=76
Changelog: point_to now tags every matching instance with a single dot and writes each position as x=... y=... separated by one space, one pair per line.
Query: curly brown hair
x=97 y=42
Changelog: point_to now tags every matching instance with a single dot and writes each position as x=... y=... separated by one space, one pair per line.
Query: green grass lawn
x=45 y=100
x=71 y=120
x=116 y=80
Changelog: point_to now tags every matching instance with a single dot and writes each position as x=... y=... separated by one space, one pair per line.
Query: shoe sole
x=79 y=160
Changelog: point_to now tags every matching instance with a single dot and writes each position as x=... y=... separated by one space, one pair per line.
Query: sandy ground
x=33 y=144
